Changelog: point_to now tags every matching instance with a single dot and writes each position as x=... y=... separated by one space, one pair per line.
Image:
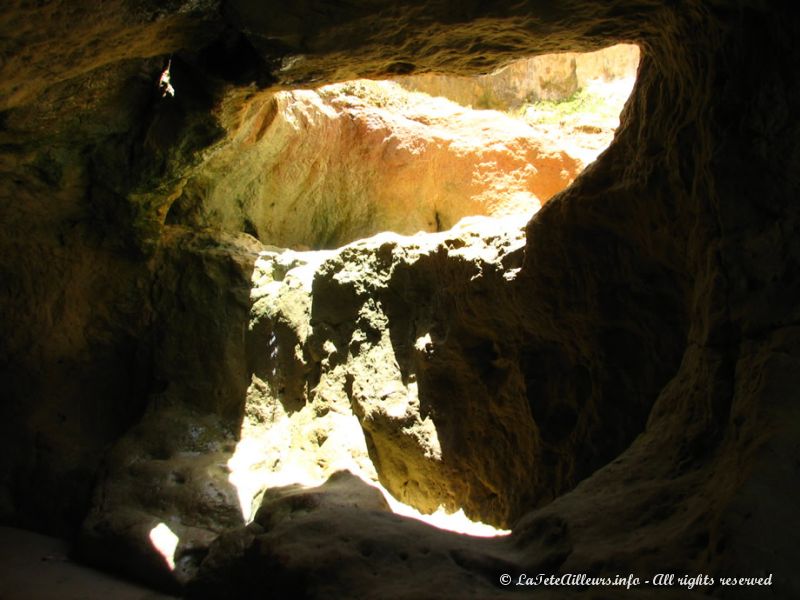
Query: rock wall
x=645 y=352
x=549 y=77
x=319 y=169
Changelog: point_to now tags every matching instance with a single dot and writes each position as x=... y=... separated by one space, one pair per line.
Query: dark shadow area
x=337 y=533
x=171 y=467
x=37 y=566
x=636 y=379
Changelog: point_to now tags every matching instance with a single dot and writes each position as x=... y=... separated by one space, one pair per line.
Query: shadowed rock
x=645 y=354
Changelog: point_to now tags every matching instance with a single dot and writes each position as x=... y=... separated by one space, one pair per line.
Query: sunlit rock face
x=547 y=77
x=319 y=169
x=640 y=367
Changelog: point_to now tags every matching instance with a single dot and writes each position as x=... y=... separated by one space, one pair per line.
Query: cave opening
x=455 y=163
x=639 y=337
x=319 y=168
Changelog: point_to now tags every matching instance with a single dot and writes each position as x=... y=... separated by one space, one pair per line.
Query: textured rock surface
x=171 y=467
x=398 y=358
x=548 y=77
x=321 y=169
x=376 y=336
x=658 y=294
x=371 y=540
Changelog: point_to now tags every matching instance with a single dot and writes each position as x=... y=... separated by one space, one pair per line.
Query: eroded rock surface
x=171 y=467
x=548 y=77
x=398 y=358
x=370 y=539
x=383 y=321
x=658 y=294
x=319 y=169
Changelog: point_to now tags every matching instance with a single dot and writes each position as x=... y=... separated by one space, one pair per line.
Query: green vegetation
x=598 y=103
x=586 y=101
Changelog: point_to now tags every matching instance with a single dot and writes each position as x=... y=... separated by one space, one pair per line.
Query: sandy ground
x=36 y=567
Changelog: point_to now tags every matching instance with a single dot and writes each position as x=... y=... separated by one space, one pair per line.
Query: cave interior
x=609 y=380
